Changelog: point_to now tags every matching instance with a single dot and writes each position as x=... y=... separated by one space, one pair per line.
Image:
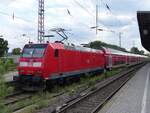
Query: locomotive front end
x=31 y=67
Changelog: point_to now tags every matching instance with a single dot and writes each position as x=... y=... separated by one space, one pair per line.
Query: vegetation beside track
x=42 y=100
x=6 y=65
x=2 y=94
x=4 y=90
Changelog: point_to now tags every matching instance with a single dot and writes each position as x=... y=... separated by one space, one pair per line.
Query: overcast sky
x=120 y=18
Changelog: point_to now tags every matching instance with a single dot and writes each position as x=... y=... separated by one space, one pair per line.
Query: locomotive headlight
x=37 y=64
x=23 y=64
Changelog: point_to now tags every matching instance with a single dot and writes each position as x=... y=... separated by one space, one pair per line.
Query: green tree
x=142 y=52
x=3 y=47
x=99 y=45
x=16 y=51
x=135 y=50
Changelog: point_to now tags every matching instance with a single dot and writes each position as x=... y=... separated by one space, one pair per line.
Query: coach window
x=56 y=53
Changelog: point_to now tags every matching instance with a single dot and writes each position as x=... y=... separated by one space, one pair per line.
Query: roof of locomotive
x=68 y=47
x=79 y=48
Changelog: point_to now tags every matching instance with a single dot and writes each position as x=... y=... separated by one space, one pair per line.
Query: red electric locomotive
x=55 y=62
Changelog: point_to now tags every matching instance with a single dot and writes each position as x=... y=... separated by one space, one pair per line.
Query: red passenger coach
x=55 y=61
x=115 y=58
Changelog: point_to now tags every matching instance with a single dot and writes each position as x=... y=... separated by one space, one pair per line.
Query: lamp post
x=120 y=38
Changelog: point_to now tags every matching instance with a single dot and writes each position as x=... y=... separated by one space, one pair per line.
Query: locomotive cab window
x=34 y=50
x=56 y=53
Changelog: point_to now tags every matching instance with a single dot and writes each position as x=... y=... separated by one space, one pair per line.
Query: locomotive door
x=108 y=61
x=57 y=56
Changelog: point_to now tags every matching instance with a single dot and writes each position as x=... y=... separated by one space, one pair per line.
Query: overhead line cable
x=20 y=18
x=110 y=10
x=6 y=14
x=81 y=6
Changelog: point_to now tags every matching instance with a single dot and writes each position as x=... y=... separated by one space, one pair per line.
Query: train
x=42 y=64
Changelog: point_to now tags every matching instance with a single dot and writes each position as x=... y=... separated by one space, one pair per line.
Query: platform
x=134 y=97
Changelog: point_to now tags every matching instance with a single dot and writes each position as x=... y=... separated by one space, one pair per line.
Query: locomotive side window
x=56 y=53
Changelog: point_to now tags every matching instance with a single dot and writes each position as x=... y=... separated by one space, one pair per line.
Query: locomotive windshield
x=34 y=50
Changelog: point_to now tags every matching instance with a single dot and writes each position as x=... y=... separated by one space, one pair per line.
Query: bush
x=3 y=109
x=6 y=65
x=3 y=88
x=2 y=70
x=3 y=93
x=9 y=65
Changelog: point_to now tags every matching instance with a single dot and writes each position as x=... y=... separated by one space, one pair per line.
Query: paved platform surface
x=9 y=76
x=134 y=97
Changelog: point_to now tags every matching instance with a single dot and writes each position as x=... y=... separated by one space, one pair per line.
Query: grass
x=113 y=72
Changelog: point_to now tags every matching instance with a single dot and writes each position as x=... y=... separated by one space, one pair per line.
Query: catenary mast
x=41 y=21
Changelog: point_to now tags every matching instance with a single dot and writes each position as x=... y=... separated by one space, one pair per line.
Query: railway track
x=11 y=83
x=17 y=96
x=12 y=99
x=94 y=100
